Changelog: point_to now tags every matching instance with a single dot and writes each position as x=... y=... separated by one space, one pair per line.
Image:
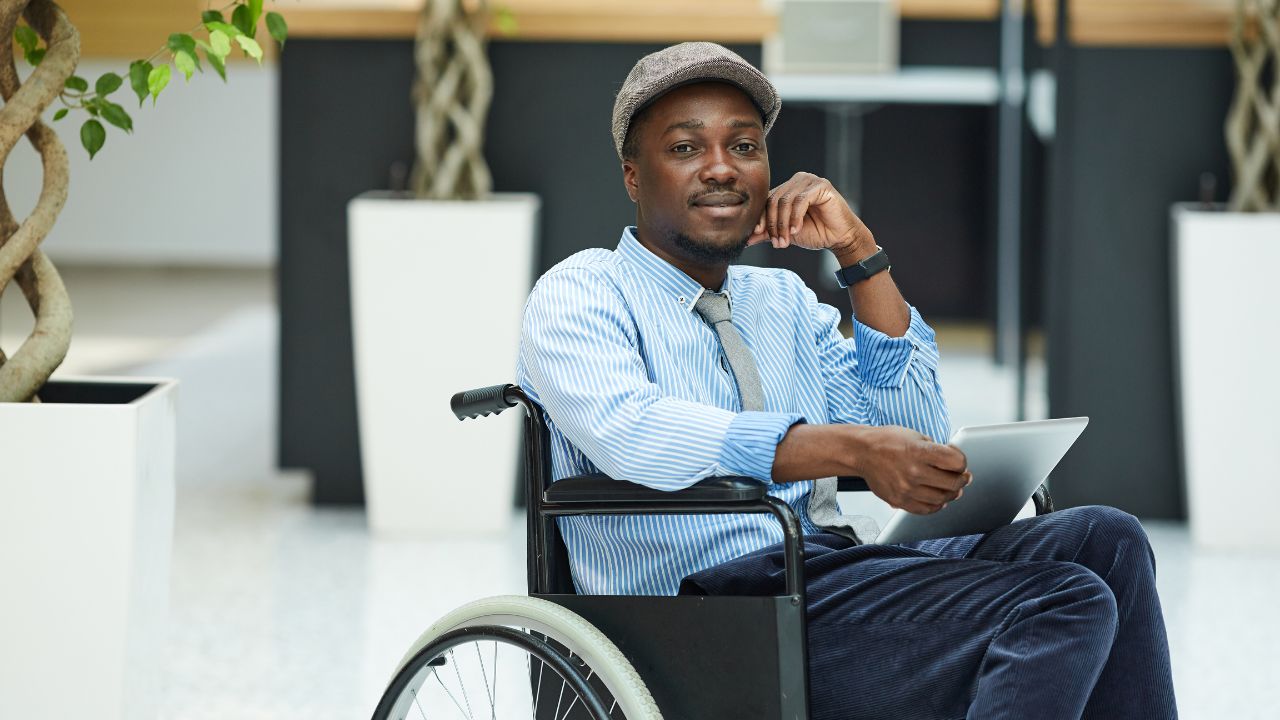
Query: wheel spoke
x=461 y=685
x=570 y=708
x=417 y=704
x=451 y=697
x=493 y=699
x=541 y=666
x=488 y=694
x=577 y=697
x=560 y=699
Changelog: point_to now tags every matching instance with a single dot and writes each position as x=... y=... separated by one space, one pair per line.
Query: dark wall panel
x=1137 y=127
x=334 y=145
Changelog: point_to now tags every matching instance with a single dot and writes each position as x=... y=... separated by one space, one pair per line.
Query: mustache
x=746 y=196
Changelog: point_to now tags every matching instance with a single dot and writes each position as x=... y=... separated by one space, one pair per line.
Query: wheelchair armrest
x=852 y=484
x=602 y=488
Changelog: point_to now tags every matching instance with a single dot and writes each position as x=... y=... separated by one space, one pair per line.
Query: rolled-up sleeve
x=580 y=355
x=876 y=379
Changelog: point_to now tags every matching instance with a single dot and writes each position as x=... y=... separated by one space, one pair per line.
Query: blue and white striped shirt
x=633 y=384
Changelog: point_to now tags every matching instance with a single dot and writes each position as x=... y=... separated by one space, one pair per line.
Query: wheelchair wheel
x=515 y=658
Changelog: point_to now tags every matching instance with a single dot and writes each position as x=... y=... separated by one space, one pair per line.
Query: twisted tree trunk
x=1253 y=124
x=31 y=365
x=452 y=95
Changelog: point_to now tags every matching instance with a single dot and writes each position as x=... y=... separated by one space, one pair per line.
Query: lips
x=720 y=205
x=719 y=199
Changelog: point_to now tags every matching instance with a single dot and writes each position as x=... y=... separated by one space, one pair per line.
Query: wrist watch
x=860 y=271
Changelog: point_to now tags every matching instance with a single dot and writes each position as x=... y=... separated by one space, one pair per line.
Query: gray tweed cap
x=661 y=72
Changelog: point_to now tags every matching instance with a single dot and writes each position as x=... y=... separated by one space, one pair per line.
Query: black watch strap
x=858 y=272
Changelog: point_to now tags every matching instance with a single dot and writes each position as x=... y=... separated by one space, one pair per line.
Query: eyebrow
x=699 y=125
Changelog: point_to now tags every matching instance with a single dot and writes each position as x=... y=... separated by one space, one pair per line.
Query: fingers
x=780 y=217
x=946 y=457
x=942 y=480
x=799 y=206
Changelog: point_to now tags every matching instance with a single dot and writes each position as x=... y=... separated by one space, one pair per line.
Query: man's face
x=700 y=175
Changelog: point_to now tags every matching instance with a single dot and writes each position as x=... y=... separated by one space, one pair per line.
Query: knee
x=1111 y=525
x=1088 y=599
x=1116 y=546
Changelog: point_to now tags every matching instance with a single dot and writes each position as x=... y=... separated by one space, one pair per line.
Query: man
x=661 y=364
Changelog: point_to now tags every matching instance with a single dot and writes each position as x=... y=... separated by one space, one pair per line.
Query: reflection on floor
x=283 y=611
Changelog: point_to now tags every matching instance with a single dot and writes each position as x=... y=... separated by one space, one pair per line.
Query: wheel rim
x=496 y=673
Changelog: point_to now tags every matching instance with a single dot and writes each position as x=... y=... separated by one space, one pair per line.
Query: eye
x=745 y=146
x=682 y=148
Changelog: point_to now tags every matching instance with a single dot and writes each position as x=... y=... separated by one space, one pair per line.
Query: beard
x=706 y=251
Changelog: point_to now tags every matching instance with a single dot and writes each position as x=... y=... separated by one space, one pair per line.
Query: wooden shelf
x=1138 y=23
x=135 y=28
x=727 y=21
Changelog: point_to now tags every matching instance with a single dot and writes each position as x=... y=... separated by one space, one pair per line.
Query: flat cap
x=691 y=62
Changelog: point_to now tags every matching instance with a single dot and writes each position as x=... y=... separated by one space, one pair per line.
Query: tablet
x=1008 y=463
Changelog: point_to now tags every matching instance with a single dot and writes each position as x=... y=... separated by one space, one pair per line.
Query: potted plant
x=439 y=276
x=88 y=482
x=1226 y=303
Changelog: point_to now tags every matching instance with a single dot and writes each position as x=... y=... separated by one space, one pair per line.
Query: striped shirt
x=634 y=384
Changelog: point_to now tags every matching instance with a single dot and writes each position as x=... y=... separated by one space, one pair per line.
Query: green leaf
x=255 y=12
x=219 y=44
x=506 y=21
x=77 y=83
x=209 y=16
x=214 y=59
x=35 y=56
x=92 y=136
x=156 y=80
x=138 y=72
x=250 y=47
x=91 y=106
x=186 y=63
x=219 y=66
x=116 y=115
x=241 y=18
x=27 y=38
x=107 y=84
x=278 y=28
x=182 y=43
x=60 y=114
x=230 y=30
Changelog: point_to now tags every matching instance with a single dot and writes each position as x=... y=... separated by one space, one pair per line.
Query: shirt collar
x=670 y=279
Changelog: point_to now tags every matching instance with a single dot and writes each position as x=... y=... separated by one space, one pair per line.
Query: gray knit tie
x=714 y=308
x=824 y=509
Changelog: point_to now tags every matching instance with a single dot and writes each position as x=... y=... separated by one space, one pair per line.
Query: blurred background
x=1023 y=165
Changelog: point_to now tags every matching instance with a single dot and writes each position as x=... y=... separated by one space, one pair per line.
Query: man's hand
x=807 y=211
x=902 y=467
x=909 y=471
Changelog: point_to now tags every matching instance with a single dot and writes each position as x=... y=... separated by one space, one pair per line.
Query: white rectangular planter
x=1226 y=312
x=86 y=529
x=437 y=294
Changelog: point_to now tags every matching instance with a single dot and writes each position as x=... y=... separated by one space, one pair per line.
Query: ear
x=630 y=179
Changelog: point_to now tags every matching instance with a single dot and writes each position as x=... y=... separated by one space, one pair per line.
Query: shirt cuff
x=751 y=442
x=883 y=360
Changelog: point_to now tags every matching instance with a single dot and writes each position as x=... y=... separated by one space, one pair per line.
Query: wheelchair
x=557 y=655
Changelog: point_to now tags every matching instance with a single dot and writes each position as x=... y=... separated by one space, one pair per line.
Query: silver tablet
x=1008 y=463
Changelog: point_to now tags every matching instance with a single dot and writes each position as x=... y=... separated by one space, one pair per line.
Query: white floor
x=283 y=611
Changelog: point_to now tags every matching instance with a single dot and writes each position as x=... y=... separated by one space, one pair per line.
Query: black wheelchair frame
x=700 y=656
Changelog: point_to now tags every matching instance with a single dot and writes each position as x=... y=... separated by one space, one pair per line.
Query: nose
x=718 y=168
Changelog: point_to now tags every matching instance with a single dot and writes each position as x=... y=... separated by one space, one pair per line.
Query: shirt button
x=680 y=299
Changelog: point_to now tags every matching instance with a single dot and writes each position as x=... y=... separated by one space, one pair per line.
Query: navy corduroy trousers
x=1050 y=617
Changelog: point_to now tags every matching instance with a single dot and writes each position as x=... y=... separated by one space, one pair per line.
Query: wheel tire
x=563 y=626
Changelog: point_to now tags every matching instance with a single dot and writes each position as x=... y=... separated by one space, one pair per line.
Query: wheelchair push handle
x=484 y=401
